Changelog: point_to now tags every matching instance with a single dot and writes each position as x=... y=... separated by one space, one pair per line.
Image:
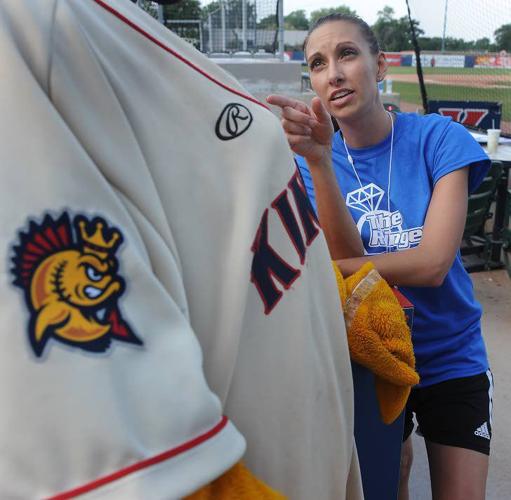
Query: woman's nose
x=335 y=74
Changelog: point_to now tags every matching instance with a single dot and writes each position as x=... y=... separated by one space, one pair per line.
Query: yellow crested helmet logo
x=71 y=283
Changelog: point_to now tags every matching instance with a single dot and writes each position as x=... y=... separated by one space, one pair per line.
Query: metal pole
x=222 y=11
x=210 y=33
x=281 y=29
x=445 y=25
x=418 y=61
x=160 y=14
x=244 y=23
x=255 y=27
x=201 y=48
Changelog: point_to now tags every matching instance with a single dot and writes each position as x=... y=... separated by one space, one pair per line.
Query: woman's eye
x=315 y=63
x=93 y=274
x=347 y=52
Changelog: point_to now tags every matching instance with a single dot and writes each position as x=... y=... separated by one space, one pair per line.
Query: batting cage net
x=464 y=71
x=241 y=26
x=222 y=26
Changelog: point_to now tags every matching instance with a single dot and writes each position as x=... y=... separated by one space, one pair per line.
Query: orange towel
x=238 y=483
x=378 y=337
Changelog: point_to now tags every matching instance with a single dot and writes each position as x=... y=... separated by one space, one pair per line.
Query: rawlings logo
x=71 y=283
x=234 y=121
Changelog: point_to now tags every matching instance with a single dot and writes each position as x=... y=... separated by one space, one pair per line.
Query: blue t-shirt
x=446 y=330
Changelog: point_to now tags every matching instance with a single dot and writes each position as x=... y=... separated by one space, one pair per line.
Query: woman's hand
x=309 y=130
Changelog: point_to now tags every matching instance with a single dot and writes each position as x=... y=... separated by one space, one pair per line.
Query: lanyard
x=352 y=163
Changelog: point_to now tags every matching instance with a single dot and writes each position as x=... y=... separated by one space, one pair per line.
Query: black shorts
x=456 y=412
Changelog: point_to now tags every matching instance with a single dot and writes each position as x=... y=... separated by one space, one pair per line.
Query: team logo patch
x=69 y=275
x=234 y=120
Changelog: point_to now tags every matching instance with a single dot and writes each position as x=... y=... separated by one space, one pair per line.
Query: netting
x=241 y=26
x=222 y=26
x=468 y=60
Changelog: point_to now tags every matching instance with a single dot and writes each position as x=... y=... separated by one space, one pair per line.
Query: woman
x=404 y=180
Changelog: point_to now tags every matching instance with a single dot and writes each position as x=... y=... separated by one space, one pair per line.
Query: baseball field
x=480 y=84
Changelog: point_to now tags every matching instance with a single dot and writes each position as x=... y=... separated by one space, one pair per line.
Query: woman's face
x=343 y=71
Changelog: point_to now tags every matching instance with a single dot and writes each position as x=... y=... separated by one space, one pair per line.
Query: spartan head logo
x=71 y=283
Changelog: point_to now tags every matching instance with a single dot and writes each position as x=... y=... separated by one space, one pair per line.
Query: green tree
x=386 y=14
x=296 y=20
x=186 y=9
x=456 y=44
x=210 y=7
x=484 y=44
x=503 y=37
x=430 y=43
x=342 y=9
x=148 y=6
x=394 y=35
x=268 y=22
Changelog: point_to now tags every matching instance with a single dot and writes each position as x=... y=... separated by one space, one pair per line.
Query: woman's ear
x=382 y=67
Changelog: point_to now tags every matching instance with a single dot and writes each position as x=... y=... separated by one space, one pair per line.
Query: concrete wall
x=265 y=75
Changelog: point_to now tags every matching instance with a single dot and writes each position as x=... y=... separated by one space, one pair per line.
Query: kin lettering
x=269 y=269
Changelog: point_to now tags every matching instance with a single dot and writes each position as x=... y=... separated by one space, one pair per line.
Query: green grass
x=410 y=93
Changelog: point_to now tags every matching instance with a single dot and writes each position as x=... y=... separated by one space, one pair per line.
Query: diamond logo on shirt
x=381 y=230
x=366 y=199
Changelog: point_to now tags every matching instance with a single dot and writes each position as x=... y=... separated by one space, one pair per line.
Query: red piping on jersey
x=149 y=462
x=175 y=54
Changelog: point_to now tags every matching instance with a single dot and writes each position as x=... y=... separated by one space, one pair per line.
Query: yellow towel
x=378 y=337
x=238 y=483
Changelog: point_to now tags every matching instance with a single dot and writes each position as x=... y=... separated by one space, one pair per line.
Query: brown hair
x=364 y=28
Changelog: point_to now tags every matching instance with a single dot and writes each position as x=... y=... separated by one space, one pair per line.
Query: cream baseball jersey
x=160 y=268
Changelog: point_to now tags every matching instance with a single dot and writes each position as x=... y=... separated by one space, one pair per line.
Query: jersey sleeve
x=455 y=149
x=169 y=272
x=102 y=388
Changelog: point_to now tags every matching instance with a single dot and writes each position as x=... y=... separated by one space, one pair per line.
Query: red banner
x=393 y=58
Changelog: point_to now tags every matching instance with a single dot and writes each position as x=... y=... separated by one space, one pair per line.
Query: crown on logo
x=99 y=241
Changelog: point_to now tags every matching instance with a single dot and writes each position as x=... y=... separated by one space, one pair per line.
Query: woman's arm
x=341 y=233
x=428 y=263
x=309 y=133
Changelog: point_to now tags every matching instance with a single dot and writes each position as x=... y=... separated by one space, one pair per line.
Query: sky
x=467 y=19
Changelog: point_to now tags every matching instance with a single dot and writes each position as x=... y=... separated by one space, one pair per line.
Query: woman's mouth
x=341 y=97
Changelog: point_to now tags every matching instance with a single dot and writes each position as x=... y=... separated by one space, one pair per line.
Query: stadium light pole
x=210 y=33
x=281 y=28
x=222 y=14
x=244 y=23
x=445 y=25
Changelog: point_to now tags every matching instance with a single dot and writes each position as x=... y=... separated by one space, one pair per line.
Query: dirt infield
x=474 y=80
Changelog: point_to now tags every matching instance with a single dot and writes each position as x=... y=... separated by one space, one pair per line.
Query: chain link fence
x=229 y=27
x=465 y=71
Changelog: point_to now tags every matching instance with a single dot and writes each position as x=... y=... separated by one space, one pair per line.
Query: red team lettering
x=268 y=267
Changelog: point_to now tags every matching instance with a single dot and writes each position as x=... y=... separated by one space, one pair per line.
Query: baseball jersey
x=446 y=330
x=160 y=267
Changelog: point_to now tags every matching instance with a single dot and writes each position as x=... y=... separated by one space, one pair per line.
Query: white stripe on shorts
x=489 y=374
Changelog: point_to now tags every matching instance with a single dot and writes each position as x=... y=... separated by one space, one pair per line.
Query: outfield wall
x=438 y=60
x=451 y=60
